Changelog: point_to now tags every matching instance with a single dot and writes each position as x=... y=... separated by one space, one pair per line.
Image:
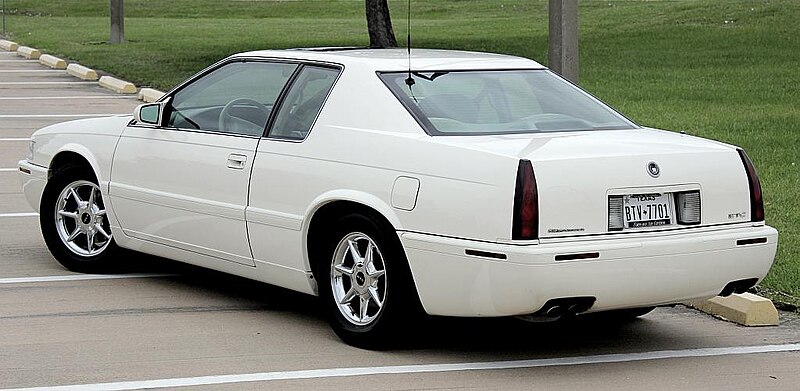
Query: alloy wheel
x=80 y=218
x=358 y=279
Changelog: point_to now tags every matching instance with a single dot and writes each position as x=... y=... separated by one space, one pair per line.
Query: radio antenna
x=409 y=79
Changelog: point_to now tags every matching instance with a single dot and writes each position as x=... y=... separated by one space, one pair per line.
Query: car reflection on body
x=471 y=185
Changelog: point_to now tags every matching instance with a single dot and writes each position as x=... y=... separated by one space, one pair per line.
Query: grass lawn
x=727 y=70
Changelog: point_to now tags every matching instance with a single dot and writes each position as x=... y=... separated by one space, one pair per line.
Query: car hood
x=109 y=126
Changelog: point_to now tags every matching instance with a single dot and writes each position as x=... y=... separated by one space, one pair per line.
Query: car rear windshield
x=500 y=102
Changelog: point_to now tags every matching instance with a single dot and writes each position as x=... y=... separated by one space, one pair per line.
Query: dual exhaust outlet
x=564 y=307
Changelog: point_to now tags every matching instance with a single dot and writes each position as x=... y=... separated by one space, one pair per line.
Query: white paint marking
x=15 y=139
x=57 y=115
x=23 y=214
x=8 y=169
x=32 y=71
x=79 y=277
x=424 y=368
x=67 y=97
x=39 y=83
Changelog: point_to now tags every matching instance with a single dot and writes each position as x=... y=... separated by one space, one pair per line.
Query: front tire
x=365 y=283
x=74 y=222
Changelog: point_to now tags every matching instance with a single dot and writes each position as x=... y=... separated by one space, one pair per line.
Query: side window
x=303 y=102
x=235 y=98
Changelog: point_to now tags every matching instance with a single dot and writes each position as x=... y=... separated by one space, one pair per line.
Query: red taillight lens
x=526 y=204
x=756 y=198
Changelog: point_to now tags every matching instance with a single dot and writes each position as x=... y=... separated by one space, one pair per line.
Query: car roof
x=396 y=59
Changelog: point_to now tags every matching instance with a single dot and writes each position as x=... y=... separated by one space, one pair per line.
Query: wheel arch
x=78 y=155
x=327 y=208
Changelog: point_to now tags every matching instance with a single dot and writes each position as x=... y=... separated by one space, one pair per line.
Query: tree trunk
x=379 y=24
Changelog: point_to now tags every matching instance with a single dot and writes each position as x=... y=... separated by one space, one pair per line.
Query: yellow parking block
x=8 y=45
x=29 y=53
x=52 y=61
x=81 y=72
x=745 y=309
x=117 y=85
x=150 y=95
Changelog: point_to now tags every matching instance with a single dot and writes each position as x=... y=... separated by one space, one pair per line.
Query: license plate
x=647 y=210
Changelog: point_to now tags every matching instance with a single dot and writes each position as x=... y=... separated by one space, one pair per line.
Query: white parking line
x=22 y=83
x=23 y=214
x=15 y=139
x=57 y=115
x=425 y=368
x=80 y=277
x=8 y=169
x=67 y=97
x=32 y=71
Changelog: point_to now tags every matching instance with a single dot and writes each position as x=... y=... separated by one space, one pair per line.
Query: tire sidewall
x=377 y=334
x=47 y=209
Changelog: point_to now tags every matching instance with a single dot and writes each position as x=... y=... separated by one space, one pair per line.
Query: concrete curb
x=117 y=85
x=8 y=45
x=52 y=61
x=150 y=95
x=29 y=53
x=745 y=309
x=81 y=72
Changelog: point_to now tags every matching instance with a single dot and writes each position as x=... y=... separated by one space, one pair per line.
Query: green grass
x=727 y=70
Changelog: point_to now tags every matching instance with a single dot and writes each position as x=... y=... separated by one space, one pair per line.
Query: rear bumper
x=33 y=178
x=629 y=272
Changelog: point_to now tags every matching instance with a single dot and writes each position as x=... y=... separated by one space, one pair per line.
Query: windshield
x=500 y=102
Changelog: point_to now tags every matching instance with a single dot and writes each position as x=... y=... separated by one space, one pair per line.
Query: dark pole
x=117 y=22
x=4 y=17
x=563 y=38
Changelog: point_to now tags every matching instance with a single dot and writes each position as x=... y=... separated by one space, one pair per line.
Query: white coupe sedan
x=469 y=184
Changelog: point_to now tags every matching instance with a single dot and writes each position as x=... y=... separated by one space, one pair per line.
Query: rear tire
x=365 y=284
x=74 y=223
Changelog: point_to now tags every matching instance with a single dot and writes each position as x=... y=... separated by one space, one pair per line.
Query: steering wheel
x=230 y=123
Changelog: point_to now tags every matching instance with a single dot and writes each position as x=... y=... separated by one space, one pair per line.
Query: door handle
x=236 y=161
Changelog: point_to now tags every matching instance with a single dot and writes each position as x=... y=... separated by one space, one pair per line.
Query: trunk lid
x=576 y=172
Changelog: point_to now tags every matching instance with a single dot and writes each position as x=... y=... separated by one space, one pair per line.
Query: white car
x=470 y=185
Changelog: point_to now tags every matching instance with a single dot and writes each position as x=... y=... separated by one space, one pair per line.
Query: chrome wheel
x=80 y=217
x=358 y=279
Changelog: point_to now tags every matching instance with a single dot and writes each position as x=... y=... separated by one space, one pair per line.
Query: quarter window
x=236 y=98
x=303 y=102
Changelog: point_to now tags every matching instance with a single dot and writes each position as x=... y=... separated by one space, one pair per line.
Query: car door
x=286 y=179
x=184 y=183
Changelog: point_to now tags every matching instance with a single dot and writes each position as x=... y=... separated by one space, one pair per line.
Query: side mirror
x=149 y=113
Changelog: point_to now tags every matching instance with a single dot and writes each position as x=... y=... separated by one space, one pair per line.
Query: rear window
x=500 y=102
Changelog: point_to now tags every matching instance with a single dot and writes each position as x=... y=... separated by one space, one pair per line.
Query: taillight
x=526 y=204
x=756 y=198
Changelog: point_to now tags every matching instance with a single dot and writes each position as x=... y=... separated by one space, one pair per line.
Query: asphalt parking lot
x=167 y=326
